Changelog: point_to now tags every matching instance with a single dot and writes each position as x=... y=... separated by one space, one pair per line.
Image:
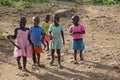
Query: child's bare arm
x=62 y=34
x=50 y=35
x=13 y=36
x=83 y=32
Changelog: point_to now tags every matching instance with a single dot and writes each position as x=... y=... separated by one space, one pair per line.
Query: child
x=36 y=34
x=22 y=40
x=56 y=32
x=76 y=30
x=45 y=26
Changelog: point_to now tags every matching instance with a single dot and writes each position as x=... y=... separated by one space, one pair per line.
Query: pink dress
x=23 y=43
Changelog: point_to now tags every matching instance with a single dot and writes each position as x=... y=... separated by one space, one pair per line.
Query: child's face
x=47 y=18
x=36 y=21
x=22 y=23
x=75 y=20
x=56 y=19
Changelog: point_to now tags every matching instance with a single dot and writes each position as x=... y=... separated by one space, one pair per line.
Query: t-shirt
x=56 y=31
x=36 y=34
x=45 y=27
x=78 y=28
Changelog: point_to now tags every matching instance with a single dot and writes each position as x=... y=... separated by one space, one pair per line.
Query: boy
x=36 y=34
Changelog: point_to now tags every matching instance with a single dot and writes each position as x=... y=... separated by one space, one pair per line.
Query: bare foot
x=41 y=65
x=20 y=67
x=51 y=63
x=60 y=66
x=75 y=62
x=25 y=70
x=81 y=58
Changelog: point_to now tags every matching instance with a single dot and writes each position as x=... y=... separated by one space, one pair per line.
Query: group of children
x=30 y=39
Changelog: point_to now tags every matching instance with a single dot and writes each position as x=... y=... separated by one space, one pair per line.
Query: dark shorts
x=77 y=44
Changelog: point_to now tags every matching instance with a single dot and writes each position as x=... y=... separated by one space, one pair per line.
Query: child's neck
x=47 y=21
x=56 y=24
x=23 y=28
x=36 y=25
x=76 y=24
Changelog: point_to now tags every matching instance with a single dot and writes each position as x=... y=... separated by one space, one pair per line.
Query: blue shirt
x=36 y=33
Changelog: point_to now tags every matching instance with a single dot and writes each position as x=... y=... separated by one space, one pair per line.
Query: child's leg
x=59 y=57
x=75 y=56
x=38 y=61
x=18 y=62
x=81 y=57
x=38 y=58
x=34 y=58
x=52 y=55
x=47 y=45
x=44 y=44
x=24 y=62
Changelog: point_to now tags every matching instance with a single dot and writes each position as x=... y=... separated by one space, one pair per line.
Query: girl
x=76 y=30
x=45 y=26
x=56 y=32
x=22 y=41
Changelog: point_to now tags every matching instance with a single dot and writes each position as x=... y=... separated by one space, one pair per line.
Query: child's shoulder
x=31 y=26
x=16 y=29
x=81 y=25
x=27 y=28
x=60 y=24
x=72 y=25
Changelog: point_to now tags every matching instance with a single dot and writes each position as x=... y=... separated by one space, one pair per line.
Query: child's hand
x=77 y=32
x=9 y=36
x=51 y=37
x=63 y=42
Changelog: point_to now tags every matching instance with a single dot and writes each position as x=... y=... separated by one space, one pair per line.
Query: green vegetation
x=18 y=4
x=6 y=2
x=22 y=4
x=106 y=2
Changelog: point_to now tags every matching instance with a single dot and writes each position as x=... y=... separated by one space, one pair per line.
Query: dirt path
x=102 y=42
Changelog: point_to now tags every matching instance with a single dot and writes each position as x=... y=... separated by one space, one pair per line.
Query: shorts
x=55 y=44
x=37 y=49
x=77 y=44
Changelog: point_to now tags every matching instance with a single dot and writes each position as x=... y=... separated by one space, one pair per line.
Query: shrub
x=6 y=2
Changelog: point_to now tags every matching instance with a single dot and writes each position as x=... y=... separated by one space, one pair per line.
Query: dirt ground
x=102 y=44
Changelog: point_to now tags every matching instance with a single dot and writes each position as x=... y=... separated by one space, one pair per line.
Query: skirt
x=77 y=44
x=46 y=38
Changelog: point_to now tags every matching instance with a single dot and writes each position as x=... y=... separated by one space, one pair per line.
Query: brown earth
x=102 y=44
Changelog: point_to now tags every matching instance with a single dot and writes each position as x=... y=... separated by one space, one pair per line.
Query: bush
x=22 y=4
x=6 y=2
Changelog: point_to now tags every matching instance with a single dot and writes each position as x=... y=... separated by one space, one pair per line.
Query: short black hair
x=76 y=17
x=22 y=19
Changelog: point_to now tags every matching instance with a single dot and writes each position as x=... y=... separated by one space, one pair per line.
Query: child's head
x=22 y=22
x=56 y=19
x=75 y=19
x=47 y=19
x=36 y=20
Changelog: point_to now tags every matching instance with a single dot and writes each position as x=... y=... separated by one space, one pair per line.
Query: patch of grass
x=7 y=2
x=21 y=4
